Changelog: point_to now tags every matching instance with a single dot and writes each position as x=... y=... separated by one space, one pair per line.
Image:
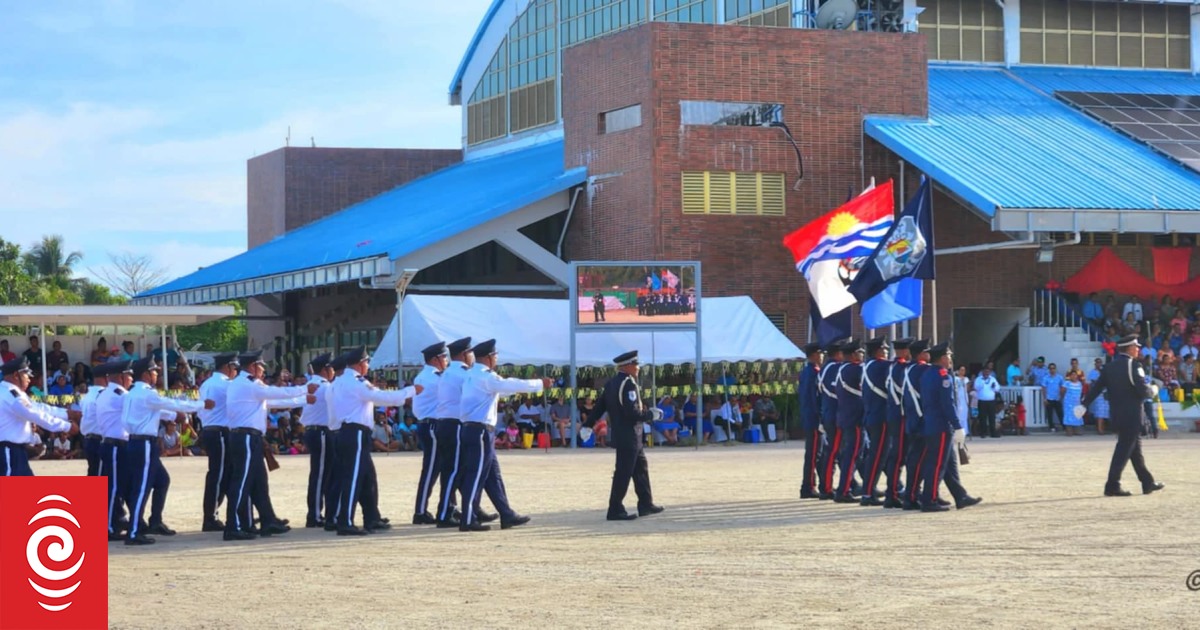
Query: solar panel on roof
x=1168 y=123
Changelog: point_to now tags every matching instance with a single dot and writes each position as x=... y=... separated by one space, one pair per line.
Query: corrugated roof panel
x=995 y=140
x=399 y=222
x=1053 y=79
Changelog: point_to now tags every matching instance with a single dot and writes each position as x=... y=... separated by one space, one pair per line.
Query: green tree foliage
x=223 y=335
x=48 y=261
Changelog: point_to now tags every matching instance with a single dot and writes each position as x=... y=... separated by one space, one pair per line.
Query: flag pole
x=934 y=314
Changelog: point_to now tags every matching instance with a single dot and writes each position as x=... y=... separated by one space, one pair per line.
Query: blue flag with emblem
x=888 y=285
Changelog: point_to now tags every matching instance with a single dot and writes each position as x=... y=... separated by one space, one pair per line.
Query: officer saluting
x=214 y=434
x=849 y=418
x=317 y=440
x=1125 y=382
x=623 y=403
x=810 y=418
x=875 y=401
x=942 y=433
x=424 y=407
x=16 y=414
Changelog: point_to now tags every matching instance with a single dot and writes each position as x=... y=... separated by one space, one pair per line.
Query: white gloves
x=1154 y=390
x=655 y=414
x=821 y=429
x=960 y=437
x=1079 y=410
x=866 y=440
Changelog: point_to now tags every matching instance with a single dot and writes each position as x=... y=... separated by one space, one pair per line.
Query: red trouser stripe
x=917 y=475
x=937 y=470
x=811 y=470
x=879 y=448
x=833 y=455
x=895 y=480
x=848 y=472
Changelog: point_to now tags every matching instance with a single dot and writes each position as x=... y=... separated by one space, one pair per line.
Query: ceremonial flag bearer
x=849 y=419
x=913 y=423
x=895 y=447
x=827 y=385
x=810 y=419
x=875 y=408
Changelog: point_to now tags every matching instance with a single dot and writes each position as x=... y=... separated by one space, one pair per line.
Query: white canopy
x=54 y=315
x=537 y=332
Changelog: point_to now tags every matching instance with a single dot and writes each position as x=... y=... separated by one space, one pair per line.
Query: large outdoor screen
x=638 y=294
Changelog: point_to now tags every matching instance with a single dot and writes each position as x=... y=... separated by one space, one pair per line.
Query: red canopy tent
x=1107 y=272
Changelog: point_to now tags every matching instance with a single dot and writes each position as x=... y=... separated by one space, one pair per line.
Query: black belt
x=454 y=420
x=94 y=436
x=246 y=432
x=114 y=441
x=221 y=430
x=355 y=426
x=475 y=424
x=143 y=437
x=318 y=429
x=14 y=445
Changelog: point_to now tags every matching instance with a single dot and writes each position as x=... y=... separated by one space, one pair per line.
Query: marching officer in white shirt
x=17 y=411
x=142 y=413
x=354 y=401
x=333 y=492
x=246 y=409
x=425 y=409
x=315 y=419
x=110 y=424
x=446 y=427
x=214 y=435
x=479 y=470
x=87 y=424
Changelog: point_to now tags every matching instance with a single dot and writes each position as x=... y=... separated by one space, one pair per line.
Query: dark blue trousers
x=812 y=452
x=333 y=487
x=147 y=476
x=320 y=471
x=851 y=439
x=893 y=458
x=114 y=464
x=14 y=461
x=91 y=451
x=357 y=472
x=427 y=441
x=479 y=472
x=829 y=452
x=872 y=461
x=215 y=444
x=914 y=463
x=446 y=433
x=940 y=465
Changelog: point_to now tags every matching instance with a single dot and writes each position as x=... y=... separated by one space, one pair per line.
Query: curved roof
x=456 y=82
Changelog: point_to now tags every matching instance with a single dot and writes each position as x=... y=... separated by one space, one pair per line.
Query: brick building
x=659 y=129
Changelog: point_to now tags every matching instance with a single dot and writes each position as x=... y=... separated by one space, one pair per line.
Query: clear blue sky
x=125 y=125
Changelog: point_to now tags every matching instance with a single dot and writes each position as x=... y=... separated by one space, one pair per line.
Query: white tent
x=537 y=332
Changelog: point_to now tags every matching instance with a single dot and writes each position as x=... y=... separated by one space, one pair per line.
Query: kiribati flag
x=830 y=251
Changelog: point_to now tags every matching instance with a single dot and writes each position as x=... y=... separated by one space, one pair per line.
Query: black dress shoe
x=278 y=527
x=213 y=526
x=967 y=502
x=283 y=521
x=160 y=529
x=910 y=506
x=934 y=508
x=825 y=496
x=1154 y=487
x=330 y=526
x=892 y=504
x=115 y=536
x=377 y=526
x=870 y=502
x=121 y=525
x=238 y=534
x=351 y=531
x=1117 y=492
x=448 y=523
x=944 y=502
x=488 y=517
x=140 y=539
x=515 y=521
x=424 y=519
x=650 y=509
x=621 y=516
x=313 y=524
x=845 y=498
x=806 y=493
x=475 y=527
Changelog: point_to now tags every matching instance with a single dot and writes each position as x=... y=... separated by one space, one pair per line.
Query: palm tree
x=46 y=260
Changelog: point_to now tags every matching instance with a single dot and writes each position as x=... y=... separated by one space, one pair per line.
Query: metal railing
x=1052 y=310
x=1034 y=399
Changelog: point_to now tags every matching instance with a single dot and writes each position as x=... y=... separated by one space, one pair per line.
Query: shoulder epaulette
x=14 y=393
x=118 y=391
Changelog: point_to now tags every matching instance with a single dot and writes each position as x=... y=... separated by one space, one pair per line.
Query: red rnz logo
x=53 y=552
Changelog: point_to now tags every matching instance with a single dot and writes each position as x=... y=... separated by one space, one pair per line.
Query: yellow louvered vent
x=725 y=192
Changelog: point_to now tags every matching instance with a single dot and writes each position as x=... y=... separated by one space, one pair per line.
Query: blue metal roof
x=456 y=82
x=399 y=222
x=1051 y=79
x=995 y=140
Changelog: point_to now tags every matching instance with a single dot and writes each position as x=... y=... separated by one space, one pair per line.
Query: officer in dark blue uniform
x=942 y=433
x=875 y=408
x=827 y=386
x=1125 y=381
x=915 y=442
x=810 y=419
x=893 y=458
x=849 y=419
x=626 y=414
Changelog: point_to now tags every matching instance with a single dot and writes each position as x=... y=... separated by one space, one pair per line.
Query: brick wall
x=826 y=81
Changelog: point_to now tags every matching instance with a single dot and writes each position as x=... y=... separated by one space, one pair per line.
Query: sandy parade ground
x=735 y=548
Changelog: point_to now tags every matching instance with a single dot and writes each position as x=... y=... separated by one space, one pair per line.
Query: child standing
x=1072 y=394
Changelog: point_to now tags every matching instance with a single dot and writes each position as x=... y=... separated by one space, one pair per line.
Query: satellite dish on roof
x=837 y=14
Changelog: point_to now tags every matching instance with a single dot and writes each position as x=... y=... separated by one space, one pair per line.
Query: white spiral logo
x=59 y=551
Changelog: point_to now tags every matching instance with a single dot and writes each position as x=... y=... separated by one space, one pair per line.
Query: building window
x=620 y=119
x=487 y=110
x=729 y=114
x=1127 y=35
x=780 y=321
x=758 y=12
x=963 y=30
x=725 y=192
x=532 y=67
x=587 y=19
x=694 y=11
